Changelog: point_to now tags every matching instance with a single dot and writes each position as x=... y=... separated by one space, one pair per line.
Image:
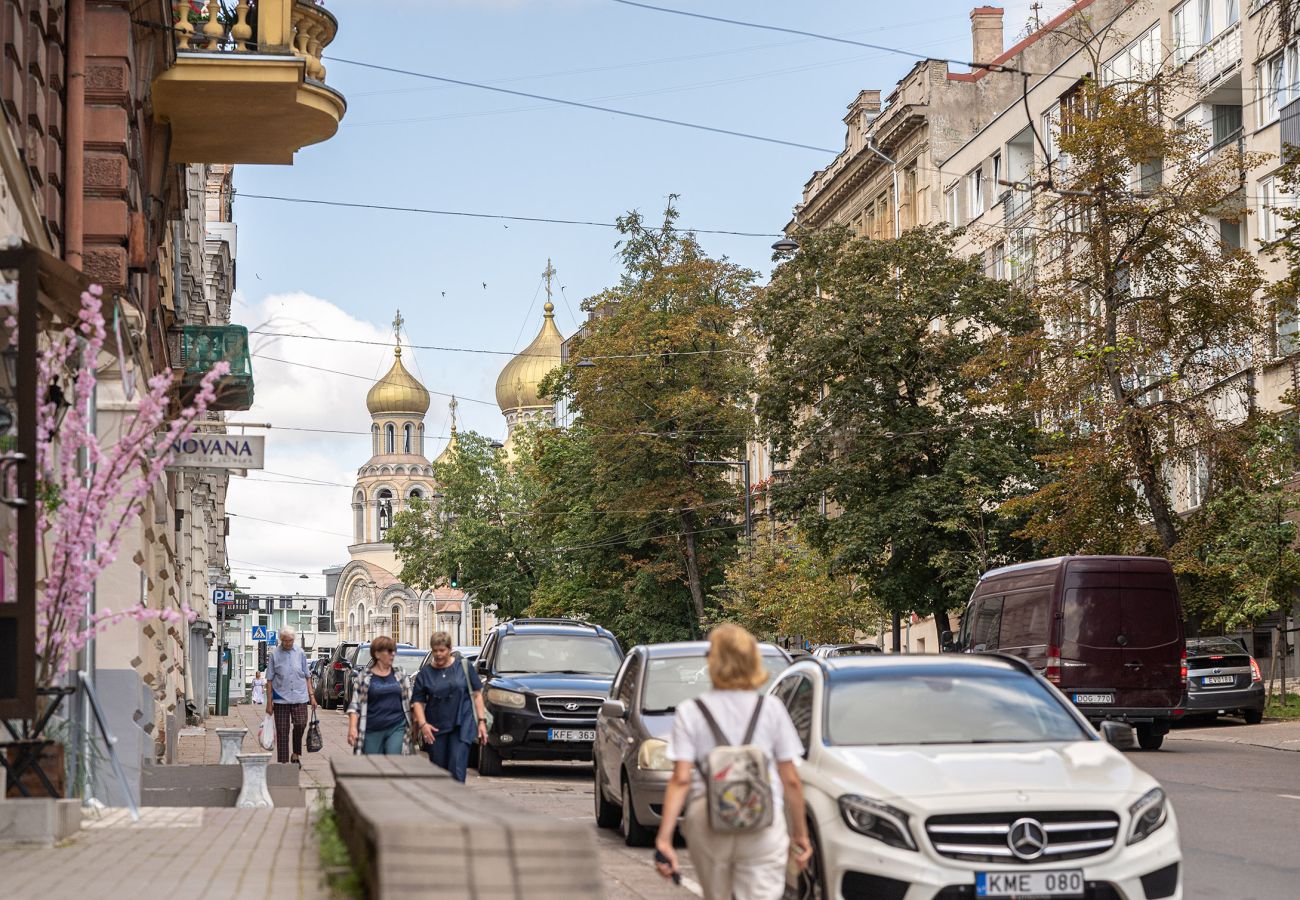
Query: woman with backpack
x=735 y=825
x=448 y=705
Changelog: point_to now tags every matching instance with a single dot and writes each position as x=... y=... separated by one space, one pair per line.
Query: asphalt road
x=1238 y=813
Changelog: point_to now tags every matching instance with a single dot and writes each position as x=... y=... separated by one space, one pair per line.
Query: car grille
x=569 y=709
x=984 y=837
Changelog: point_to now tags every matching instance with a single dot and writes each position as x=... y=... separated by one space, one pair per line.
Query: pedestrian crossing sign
x=259 y=632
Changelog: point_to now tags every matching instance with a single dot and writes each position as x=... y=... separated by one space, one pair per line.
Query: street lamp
x=744 y=465
x=784 y=244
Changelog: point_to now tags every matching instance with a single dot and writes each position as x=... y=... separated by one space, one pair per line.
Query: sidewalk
x=200 y=745
x=1283 y=735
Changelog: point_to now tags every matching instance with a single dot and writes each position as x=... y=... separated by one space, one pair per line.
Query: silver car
x=631 y=748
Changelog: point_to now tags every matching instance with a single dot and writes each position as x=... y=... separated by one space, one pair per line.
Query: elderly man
x=286 y=672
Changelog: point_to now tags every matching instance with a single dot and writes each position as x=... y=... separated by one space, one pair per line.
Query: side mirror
x=1119 y=735
x=481 y=666
x=947 y=642
x=613 y=709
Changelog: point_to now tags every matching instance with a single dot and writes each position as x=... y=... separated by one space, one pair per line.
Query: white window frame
x=952 y=206
x=975 y=193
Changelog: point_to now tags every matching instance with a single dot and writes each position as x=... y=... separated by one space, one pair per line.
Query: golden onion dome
x=398 y=392
x=452 y=443
x=518 y=383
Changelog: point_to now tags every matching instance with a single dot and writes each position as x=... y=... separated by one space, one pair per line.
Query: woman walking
x=259 y=689
x=448 y=706
x=379 y=717
x=746 y=865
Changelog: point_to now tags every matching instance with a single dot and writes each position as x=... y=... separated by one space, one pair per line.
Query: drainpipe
x=74 y=161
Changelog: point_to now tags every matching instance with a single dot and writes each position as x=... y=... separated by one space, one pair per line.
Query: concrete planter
x=254 y=794
x=39 y=821
x=232 y=743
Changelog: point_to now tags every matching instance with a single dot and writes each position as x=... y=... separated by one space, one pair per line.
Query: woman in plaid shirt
x=379 y=718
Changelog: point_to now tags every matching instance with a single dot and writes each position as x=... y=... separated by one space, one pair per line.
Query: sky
x=476 y=284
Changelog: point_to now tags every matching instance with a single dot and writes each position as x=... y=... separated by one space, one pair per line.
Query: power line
x=288 y=525
x=289 y=362
x=580 y=105
x=477 y=215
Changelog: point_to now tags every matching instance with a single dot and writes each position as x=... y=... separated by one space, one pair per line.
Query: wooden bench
x=414 y=832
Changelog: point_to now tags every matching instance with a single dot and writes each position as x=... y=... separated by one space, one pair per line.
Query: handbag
x=469 y=686
x=314 y=741
x=266 y=734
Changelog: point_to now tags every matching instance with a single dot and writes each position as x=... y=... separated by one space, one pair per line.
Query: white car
x=952 y=776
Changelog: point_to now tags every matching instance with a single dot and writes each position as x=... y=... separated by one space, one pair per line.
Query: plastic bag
x=314 y=741
x=266 y=734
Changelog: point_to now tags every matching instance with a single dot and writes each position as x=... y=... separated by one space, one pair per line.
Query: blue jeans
x=452 y=754
x=387 y=742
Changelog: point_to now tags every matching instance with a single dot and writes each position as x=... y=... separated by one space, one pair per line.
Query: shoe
x=296 y=760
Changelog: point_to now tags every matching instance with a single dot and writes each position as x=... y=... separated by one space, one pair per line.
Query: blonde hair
x=439 y=639
x=734 y=661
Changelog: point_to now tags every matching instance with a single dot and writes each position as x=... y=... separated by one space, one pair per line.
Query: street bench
x=414 y=833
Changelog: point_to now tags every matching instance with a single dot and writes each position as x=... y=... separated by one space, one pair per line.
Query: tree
x=868 y=369
x=481 y=527
x=1149 y=317
x=781 y=587
x=659 y=381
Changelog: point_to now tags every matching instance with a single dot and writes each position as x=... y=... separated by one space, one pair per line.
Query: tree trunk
x=896 y=630
x=941 y=622
x=1162 y=516
x=692 y=566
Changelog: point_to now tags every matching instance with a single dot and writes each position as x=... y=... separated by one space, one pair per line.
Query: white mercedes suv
x=954 y=776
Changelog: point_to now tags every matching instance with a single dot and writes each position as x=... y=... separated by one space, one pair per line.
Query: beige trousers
x=736 y=866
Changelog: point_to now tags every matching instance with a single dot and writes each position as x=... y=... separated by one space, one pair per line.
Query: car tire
x=608 y=815
x=489 y=761
x=810 y=884
x=1253 y=716
x=1149 y=738
x=634 y=833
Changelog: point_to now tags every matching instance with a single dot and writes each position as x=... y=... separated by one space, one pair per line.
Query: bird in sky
x=444 y=293
x=485 y=285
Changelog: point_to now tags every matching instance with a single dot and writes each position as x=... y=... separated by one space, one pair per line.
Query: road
x=1238 y=808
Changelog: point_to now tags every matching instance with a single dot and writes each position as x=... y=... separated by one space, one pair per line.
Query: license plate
x=1219 y=679
x=1094 y=698
x=571 y=734
x=1065 y=883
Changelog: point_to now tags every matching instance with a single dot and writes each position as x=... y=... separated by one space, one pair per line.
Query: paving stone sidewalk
x=201 y=745
x=1283 y=735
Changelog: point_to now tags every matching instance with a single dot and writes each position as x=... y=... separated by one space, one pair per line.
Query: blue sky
x=412 y=142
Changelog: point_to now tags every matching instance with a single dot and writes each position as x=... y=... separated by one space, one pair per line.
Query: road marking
x=1289 y=796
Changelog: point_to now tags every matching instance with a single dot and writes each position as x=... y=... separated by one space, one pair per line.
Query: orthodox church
x=369 y=597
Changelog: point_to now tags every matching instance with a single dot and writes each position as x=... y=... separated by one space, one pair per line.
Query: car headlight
x=885 y=823
x=654 y=755
x=1146 y=815
x=508 y=699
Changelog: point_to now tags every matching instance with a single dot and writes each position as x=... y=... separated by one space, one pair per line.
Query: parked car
x=936 y=777
x=1223 y=679
x=329 y=687
x=1106 y=630
x=468 y=653
x=407 y=657
x=630 y=753
x=826 y=651
x=544 y=681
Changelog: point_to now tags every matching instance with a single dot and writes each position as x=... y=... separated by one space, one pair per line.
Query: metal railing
x=1219 y=58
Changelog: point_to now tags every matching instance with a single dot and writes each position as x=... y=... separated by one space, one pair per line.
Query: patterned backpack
x=737 y=783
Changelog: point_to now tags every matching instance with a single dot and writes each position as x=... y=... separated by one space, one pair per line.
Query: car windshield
x=558 y=654
x=671 y=682
x=940 y=705
x=857 y=650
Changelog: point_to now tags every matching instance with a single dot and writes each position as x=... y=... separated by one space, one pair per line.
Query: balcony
x=202 y=347
x=1218 y=59
x=241 y=91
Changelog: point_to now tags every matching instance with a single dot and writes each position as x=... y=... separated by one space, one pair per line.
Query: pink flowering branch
x=91 y=492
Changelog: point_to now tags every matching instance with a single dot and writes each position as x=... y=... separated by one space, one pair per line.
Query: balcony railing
x=1219 y=58
x=247 y=84
x=1015 y=205
x=202 y=347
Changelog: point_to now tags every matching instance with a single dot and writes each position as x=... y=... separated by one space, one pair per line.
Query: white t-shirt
x=692 y=739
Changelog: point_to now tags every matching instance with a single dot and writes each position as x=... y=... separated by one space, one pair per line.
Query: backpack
x=737 y=780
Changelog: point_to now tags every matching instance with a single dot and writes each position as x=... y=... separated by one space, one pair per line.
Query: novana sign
x=219 y=451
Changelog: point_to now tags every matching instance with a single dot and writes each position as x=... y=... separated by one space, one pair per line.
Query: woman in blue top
x=447 y=702
x=380 y=715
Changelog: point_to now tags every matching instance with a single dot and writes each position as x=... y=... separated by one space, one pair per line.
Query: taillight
x=1053 y=672
x=1182 y=669
x=1255 y=674
x=339 y=666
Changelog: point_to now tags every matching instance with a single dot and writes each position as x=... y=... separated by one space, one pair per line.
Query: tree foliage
x=869 y=369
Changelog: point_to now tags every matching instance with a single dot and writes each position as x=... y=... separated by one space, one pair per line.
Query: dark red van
x=1106 y=630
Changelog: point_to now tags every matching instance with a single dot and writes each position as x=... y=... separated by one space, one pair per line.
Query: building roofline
x=1057 y=21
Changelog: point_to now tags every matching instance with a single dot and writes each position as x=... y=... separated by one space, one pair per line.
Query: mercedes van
x=1106 y=630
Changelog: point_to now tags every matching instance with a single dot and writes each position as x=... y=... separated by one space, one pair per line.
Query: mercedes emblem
x=1027 y=839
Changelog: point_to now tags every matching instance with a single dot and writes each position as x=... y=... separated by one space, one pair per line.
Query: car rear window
x=671 y=682
x=558 y=653
x=1210 y=648
x=879 y=708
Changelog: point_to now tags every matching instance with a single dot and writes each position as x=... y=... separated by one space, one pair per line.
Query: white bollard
x=232 y=742
x=254 y=793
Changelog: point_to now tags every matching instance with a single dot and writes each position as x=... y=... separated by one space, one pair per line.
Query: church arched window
x=416 y=493
x=421 y=437
x=385 y=497
x=374 y=431
x=359 y=517
x=406 y=438
x=397 y=623
x=390 y=438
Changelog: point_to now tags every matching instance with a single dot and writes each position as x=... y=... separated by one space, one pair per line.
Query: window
x=385 y=517
x=1048 y=129
x=407 y=444
x=416 y=494
x=476 y=624
x=1225 y=124
x=975 y=194
x=1137 y=62
x=951 y=208
x=1198 y=479
x=390 y=438
x=359 y=517
x=986 y=617
x=324 y=623
x=1230 y=233
x=997 y=173
x=263 y=621
x=1271 y=199
x=1278 y=82
x=998 y=261
x=1150 y=174
x=626 y=688
x=798 y=700
x=396 y=615
x=1288 y=328
x=1197 y=22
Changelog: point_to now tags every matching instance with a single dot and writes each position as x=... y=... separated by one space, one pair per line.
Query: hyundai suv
x=544 y=681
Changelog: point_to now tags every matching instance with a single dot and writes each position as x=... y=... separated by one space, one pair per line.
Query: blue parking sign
x=270 y=636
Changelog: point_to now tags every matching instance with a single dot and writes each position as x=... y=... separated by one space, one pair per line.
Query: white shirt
x=692 y=739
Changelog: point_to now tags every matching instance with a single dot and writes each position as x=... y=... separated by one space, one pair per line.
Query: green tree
x=481 y=527
x=871 y=353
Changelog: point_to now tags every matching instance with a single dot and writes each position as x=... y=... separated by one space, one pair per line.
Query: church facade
x=370 y=598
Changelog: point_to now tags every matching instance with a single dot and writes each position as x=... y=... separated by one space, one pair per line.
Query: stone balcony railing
x=311 y=29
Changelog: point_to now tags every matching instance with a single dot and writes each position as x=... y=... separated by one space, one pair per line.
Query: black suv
x=544 y=681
